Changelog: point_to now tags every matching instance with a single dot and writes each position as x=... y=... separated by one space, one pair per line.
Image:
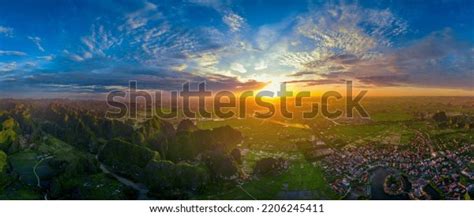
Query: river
x=377 y=180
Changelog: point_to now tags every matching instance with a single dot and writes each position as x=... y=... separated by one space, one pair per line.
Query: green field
x=18 y=191
x=301 y=177
x=264 y=135
x=26 y=164
x=393 y=133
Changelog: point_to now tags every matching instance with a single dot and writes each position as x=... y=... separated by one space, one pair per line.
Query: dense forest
x=66 y=150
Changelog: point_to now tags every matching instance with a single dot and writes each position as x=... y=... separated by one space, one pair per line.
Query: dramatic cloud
x=316 y=82
x=118 y=78
x=234 y=45
x=342 y=34
x=437 y=60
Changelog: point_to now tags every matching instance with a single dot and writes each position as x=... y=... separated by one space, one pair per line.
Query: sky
x=60 y=48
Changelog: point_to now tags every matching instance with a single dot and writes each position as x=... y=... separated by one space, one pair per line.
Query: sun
x=272 y=83
x=273 y=86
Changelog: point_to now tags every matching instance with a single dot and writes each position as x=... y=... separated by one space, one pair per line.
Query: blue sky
x=72 y=47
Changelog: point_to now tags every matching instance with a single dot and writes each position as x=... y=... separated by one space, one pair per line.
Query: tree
x=8 y=138
x=3 y=162
x=191 y=178
x=9 y=134
x=221 y=166
x=186 y=125
x=237 y=155
x=126 y=158
x=160 y=176
x=226 y=138
x=441 y=119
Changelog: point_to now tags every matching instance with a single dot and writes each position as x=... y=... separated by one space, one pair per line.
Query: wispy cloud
x=37 y=42
x=238 y=67
x=98 y=42
x=7 y=67
x=344 y=30
x=46 y=58
x=234 y=21
x=314 y=82
x=261 y=65
x=438 y=60
x=141 y=17
x=11 y=53
x=6 y=31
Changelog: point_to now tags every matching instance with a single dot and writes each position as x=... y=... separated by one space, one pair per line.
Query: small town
x=428 y=174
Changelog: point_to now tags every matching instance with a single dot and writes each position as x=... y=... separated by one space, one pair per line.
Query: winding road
x=36 y=166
